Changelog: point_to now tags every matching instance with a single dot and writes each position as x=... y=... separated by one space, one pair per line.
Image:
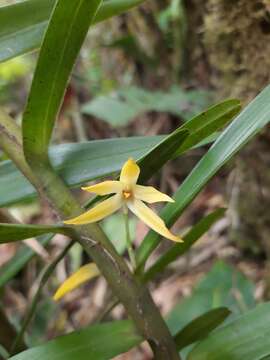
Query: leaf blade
x=119 y=337
x=244 y=338
x=17 y=232
x=23 y=24
x=246 y=125
x=200 y=327
x=76 y=164
x=179 y=249
x=60 y=47
x=10 y=269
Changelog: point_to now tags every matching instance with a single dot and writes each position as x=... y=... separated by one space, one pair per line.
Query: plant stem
x=128 y=239
x=134 y=296
x=33 y=306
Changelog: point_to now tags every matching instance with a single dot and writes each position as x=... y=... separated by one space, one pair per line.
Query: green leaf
x=97 y=342
x=76 y=164
x=172 y=145
x=245 y=126
x=65 y=34
x=156 y=157
x=179 y=249
x=113 y=226
x=119 y=107
x=200 y=327
x=166 y=149
x=79 y=163
x=208 y=122
x=10 y=269
x=245 y=338
x=16 y=232
x=23 y=24
x=112 y=8
x=222 y=286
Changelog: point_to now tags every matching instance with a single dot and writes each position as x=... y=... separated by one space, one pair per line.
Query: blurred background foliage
x=143 y=73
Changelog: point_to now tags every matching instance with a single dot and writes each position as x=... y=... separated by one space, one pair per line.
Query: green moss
x=237 y=39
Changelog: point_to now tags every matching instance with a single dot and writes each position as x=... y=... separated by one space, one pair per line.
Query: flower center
x=127 y=194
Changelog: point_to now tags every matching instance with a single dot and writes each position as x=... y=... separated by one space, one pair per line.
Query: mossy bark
x=236 y=39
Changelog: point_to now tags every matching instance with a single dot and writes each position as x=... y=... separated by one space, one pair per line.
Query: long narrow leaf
x=97 y=342
x=10 y=269
x=179 y=249
x=161 y=153
x=245 y=126
x=200 y=327
x=76 y=164
x=208 y=122
x=23 y=24
x=79 y=163
x=245 y=338
x=16 y=232
x=65 y=34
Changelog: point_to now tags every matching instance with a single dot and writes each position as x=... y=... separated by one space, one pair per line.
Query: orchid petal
x=99 y=212
x=151 y=219
x=105 y=187
x=85 y=273
x=150 y=194
x=129 y=173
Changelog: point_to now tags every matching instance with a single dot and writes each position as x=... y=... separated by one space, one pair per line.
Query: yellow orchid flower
x=128 y=194
x=85 y=273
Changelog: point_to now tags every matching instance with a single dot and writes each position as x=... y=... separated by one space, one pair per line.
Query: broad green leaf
x=97 y=342
x=200 y=327
x=76 y=164
x=63 y=39
x=10 y=269
x=244 y=338
x=179 y=249
x=119 y=107
x=16 y=232
x=245 y=126
x=23 y=24
x=222 y=286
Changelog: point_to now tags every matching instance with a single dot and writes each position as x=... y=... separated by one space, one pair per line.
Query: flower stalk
x=128 y=239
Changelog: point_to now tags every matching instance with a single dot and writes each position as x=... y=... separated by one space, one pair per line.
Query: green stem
x=128 y=240
x=134 y=296
x=33 y=306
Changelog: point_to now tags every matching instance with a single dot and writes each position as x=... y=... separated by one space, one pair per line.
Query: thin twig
x=45 y=275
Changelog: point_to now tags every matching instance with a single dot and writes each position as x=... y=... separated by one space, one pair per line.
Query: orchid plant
x=58 y=28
